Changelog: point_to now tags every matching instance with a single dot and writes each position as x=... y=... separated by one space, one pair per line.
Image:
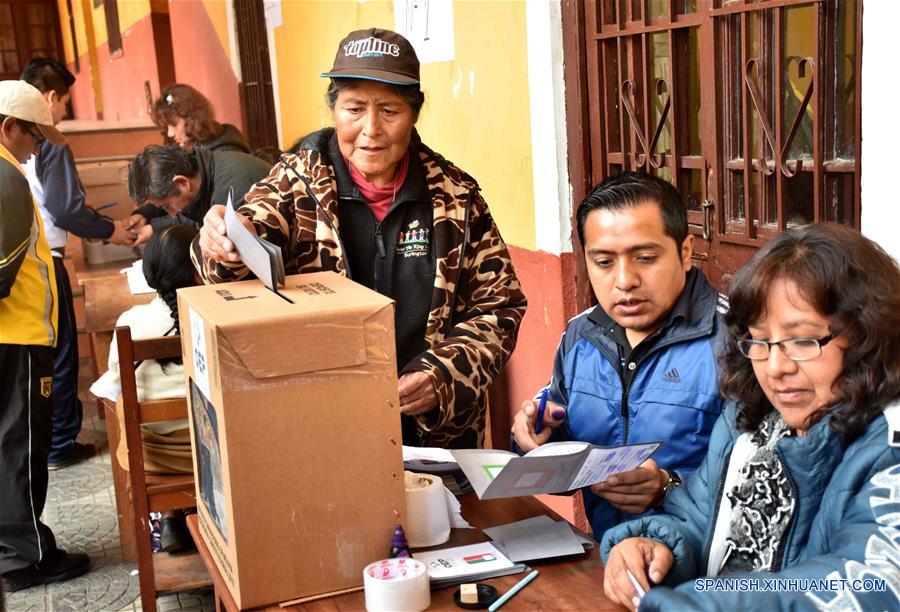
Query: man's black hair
x=150 y=174
x=629 y=189
x=47 y=74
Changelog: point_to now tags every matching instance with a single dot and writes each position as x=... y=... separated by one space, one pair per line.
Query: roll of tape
x=395 y=585
x=427 y=517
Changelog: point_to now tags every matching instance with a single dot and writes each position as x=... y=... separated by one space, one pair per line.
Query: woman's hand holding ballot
x=642 y=557
x=528 y=434
x=213 y=241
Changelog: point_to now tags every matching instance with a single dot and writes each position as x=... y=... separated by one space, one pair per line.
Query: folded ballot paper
x=539 y=537
x=551 y=468
x=261 y=256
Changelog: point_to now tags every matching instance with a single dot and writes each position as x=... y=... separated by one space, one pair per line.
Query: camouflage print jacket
x=477 y=303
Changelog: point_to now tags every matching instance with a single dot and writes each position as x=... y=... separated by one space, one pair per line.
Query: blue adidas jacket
x=845 y=527
x=673 y=396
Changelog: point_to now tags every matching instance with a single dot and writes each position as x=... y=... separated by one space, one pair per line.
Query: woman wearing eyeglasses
x=797 y=503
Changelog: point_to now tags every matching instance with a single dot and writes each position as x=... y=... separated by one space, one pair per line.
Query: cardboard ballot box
x=295 y=425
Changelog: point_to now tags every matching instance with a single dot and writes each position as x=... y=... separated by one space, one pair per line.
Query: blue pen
x=542 y=407
x=509 y=594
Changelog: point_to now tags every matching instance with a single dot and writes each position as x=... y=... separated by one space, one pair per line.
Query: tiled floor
x=81 y=511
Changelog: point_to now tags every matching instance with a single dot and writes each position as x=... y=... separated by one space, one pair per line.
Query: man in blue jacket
x=641 y=365
x=60 y=197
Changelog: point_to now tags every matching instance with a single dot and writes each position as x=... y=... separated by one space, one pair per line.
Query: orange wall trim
x=83 y=106
x=201 y=60
x=549 y=284
x=544 y=284
x=122 y=78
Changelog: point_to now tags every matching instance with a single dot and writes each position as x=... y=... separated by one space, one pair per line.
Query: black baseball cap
x=377 y=55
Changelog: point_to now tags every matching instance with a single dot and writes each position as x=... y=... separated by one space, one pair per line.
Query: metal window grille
x=750 y=108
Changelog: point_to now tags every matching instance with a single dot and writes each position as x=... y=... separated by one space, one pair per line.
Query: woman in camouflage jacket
x=368 y=200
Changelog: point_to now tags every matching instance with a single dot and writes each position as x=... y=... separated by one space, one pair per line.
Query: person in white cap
x=28 y=329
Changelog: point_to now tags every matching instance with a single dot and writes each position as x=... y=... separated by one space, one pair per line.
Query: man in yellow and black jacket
x=28 y=330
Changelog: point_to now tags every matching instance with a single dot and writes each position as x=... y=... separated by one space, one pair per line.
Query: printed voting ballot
x=552 y=468
x=261 y=256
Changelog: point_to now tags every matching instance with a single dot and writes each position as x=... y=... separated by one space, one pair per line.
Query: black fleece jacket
x=230 y=139
x=395 y=256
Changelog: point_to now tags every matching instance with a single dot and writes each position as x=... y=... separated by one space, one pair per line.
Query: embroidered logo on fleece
x=414 y=241
x=672 y=376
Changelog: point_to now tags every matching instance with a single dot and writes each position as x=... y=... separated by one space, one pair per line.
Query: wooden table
x=106 y=296
x=568 y=583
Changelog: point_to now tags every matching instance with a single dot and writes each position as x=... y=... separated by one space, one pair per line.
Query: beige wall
x=477 y=108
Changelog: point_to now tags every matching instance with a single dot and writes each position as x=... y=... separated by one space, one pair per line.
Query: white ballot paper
x=137 y=282
x=552 y=468
x=427 y=453
x=464 y=561
x=261 y=256
x=538 y=537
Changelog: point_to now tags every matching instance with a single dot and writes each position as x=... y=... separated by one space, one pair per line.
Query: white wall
x=880 y=135
x=546 y=91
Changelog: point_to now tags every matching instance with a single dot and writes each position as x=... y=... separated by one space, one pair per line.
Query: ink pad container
x=486 y=596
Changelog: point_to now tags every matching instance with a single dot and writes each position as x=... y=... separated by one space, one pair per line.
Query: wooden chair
x=160 y=572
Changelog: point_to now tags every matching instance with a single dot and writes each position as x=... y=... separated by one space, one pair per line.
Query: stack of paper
x=261 y=256
x=538 y=537
x=551 y=468
x=137 y=282
x=471 y=563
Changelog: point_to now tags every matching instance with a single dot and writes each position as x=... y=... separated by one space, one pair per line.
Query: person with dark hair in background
x=28 y=329
x=369 y=200
x=61 y=200
x=176 y=186
x=167 y=268
x=188 y=120
x=166 y=444
x=802 y=480
x=641 y=365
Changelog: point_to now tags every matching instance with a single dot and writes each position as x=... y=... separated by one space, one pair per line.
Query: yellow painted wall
x=63 y=10
x=130 y=12
x=217 y=11
x=80 y=33
x=477 y=107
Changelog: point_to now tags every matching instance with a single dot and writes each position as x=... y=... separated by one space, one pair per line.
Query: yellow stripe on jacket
x=29 y=314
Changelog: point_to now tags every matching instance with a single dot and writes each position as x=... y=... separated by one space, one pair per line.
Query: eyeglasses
x=796 y=349
x=32 y=131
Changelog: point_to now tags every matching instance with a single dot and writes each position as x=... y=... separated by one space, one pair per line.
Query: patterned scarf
x=763 y=501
